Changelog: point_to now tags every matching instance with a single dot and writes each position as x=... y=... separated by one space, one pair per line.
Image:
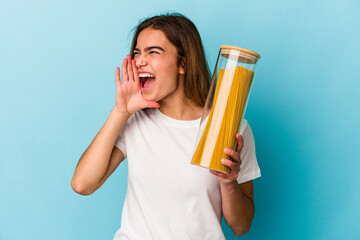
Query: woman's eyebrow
x=151 y=48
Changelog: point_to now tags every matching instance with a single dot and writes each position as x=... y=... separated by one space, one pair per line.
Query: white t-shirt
x=167 y=197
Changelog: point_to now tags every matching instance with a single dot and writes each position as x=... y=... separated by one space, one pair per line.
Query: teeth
x=146 y=75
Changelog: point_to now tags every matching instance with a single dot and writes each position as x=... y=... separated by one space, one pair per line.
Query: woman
x=154 y=124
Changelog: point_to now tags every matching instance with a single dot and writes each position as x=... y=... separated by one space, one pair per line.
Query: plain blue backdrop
x=57 y=65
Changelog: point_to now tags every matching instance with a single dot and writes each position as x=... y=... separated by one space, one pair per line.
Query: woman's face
x=156 y=59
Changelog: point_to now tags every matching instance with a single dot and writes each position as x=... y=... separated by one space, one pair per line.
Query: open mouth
x=146 y=80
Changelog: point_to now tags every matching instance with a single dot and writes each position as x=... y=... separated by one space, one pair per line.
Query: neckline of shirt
x=176 y=122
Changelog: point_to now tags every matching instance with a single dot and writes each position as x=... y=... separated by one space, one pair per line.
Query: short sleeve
x=249 y=168
x=120 y=142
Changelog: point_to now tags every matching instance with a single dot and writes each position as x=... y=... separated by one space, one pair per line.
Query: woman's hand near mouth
x=128 y=95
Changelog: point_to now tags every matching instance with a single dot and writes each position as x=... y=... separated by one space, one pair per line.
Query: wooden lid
x=245 y=56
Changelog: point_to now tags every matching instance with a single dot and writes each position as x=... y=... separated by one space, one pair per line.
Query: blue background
x=57 y=64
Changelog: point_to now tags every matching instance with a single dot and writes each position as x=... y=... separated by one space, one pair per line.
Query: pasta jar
x=225 y=106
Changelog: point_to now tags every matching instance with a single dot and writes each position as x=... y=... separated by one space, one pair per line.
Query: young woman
x=154 y=124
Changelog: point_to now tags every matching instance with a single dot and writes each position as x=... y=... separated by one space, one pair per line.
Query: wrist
x=116 y=111
x=116 y=120
x=229 y=185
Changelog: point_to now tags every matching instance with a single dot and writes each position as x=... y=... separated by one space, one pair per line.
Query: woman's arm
x=101 y=158
x=238 y=206
x=237 y=199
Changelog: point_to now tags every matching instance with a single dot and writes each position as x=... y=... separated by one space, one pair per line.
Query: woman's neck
x=181 y=109
x=178 y=106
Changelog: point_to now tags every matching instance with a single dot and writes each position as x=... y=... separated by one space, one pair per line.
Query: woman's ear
x=182 y=66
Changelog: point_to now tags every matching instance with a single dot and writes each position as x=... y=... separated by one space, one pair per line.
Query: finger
x=124 y=71
x=220 y=174
x=130 y=69
x=117 y=77
x=234 y=166
x=136 y=74
x=240 y=142
x=233 y=154
x=149 y=104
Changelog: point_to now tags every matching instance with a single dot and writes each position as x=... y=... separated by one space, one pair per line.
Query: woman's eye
x=136 y=53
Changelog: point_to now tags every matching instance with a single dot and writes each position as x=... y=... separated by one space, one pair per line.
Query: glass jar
x=225 y=106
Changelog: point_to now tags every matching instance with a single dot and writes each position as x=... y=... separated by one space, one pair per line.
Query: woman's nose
x=140 y=60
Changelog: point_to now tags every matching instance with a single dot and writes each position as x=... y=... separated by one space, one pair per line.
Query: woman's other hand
x=234 y=162
x=128 y=94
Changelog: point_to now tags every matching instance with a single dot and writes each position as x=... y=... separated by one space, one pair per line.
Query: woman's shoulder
x=142 y=115
x=145 y=113
x=137 y=120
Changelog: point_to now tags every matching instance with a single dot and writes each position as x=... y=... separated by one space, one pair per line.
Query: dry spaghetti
x=232 y=89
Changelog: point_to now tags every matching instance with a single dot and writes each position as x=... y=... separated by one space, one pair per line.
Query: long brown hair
x=181 y=32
